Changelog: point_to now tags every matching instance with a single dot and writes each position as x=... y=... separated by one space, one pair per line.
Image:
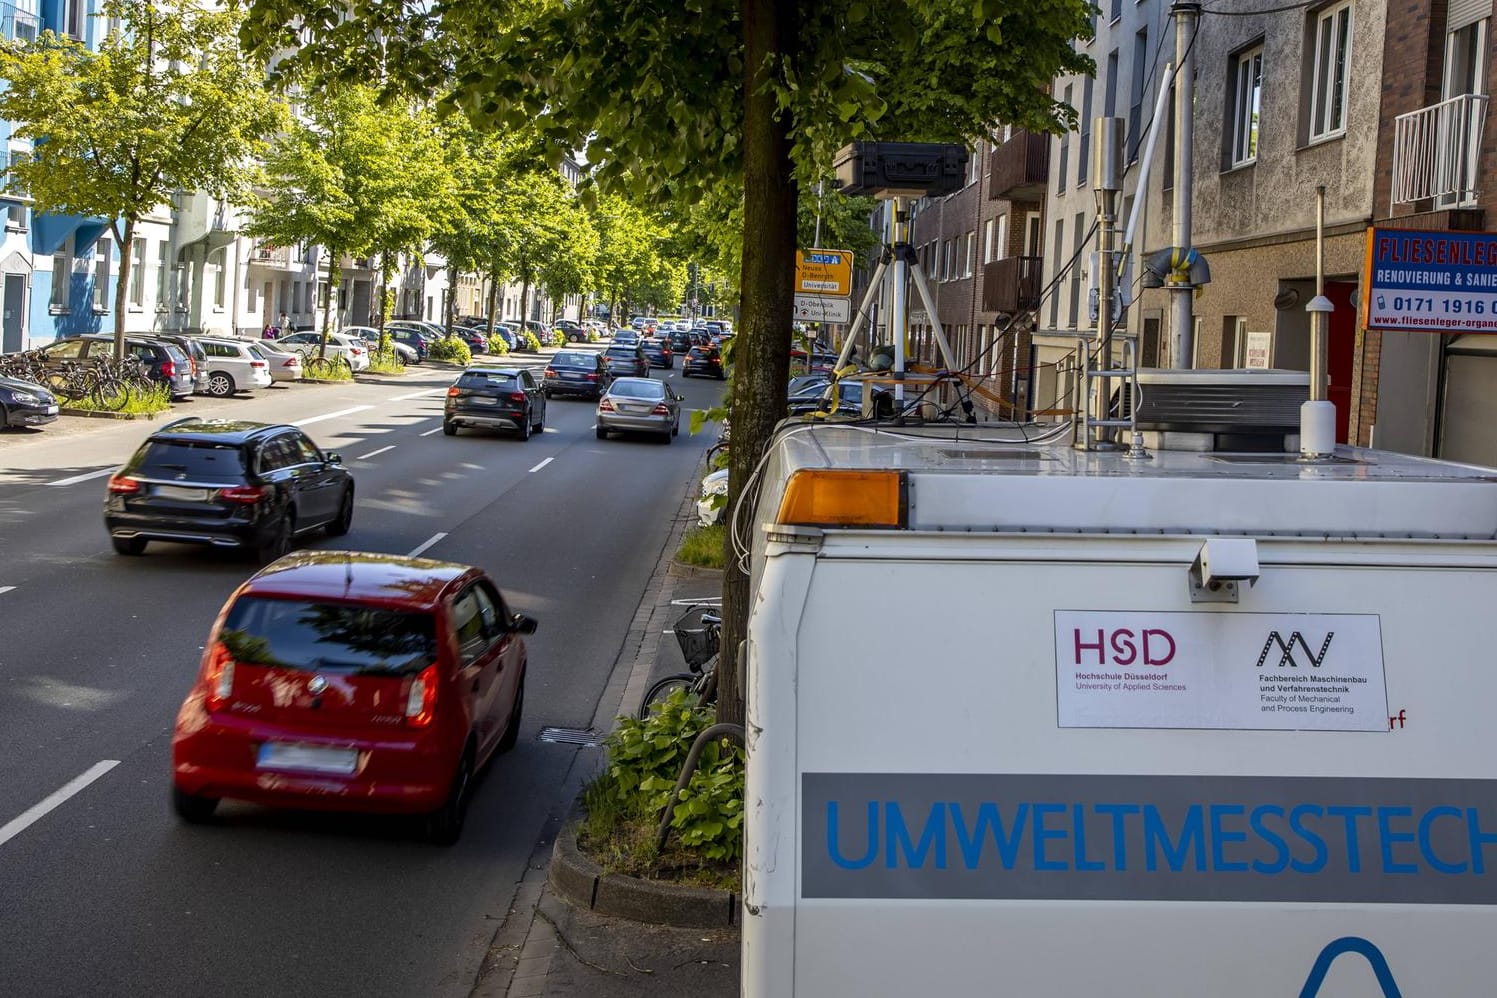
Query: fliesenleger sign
x=1436 y=282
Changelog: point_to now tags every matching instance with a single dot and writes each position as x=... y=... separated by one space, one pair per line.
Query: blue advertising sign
x=1434 y=282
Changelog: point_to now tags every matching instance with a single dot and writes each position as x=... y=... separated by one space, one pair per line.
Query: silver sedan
x=641 y=404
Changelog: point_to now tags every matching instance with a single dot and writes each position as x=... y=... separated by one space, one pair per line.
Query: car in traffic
x=371 y=338
x=163 y=362
x=818 y=398
x=284 y=365
x=626 y=337
x=361 y=682
x=232 y=366
x=642 y=405
x=227 y=483
x=658 y=353
x=340 y=346
x=703 y=362
x=680 y=340
x=576 y=372
x=627 y=360
x=495 y=398
x=572 y=330
x=25 y=403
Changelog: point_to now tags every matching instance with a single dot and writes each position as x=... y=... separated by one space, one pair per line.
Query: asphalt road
x=103 y=892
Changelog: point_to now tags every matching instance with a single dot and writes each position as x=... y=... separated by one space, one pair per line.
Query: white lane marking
x=82 y=478
x=6 y=589
x=421 y=548
x=37 y=811
x=331 y=415
x=542 y=465
x=374 y=453
x=430 y=432
x=417 y=395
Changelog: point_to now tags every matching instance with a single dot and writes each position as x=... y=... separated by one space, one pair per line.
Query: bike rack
x=732 y=732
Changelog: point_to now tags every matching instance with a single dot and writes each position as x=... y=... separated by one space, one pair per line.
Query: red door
x=1342 y=348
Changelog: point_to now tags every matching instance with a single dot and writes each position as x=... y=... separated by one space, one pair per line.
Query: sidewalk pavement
x=547 y=948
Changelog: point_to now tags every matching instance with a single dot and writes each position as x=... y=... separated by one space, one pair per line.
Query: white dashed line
x=40 y=810
x=417 y=395
x=430 y=432
x=82 y=478
x=331 y=415
x=374 y=453
x=421 y=548
x=7 y=589
x=542 y=465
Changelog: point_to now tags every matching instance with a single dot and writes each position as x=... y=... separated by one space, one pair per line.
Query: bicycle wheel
x=319 y=367
x=662 y=689
x=110 y=393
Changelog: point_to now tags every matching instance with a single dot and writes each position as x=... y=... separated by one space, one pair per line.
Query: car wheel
x=676 y=429
x=602 y=433
x=449 y=428
x=191 y=808
x=131 y=546
x=220 y=385
x=548 y=396
x=667 y=437
x=540 y=424
x=512 y=729
x=525 y=427
x=339 y=527
x=277 y=542
x=444 y=826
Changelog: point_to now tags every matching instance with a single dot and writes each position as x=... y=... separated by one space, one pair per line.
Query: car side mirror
x=333 y=457
x=680 y=398
x=523 y=624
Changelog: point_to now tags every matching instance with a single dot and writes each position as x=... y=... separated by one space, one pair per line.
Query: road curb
x=95 y=414
x=583 y=883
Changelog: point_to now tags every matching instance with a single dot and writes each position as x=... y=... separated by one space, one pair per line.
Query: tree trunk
x=524 y=306
x=451 y=295
x=384 y=289
x=334 y=275
x=762 y=348
x=122 y=287
x=493 y=302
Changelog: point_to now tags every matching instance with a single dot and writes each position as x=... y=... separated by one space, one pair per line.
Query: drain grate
x=585 y=737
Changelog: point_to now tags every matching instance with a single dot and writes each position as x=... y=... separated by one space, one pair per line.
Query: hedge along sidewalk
x=539 y=926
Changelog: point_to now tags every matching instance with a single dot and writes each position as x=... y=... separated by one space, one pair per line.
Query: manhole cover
x=570 y=736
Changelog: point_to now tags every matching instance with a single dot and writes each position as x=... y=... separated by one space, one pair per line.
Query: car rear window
x=194 y=460
x=484 y=379
x=347 y=639
x=577 y=359
x=640 y=388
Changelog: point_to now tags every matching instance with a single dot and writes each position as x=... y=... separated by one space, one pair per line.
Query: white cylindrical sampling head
x=1317 y=429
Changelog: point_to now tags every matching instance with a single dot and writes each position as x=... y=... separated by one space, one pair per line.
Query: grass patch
x=703 y=546
x=146 y=403
x=331 y=371
x=386 y=362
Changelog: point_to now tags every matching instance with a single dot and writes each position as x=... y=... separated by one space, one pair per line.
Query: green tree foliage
x=546 y=237
x=167 y=103
x=355 y=177
x=765 y=92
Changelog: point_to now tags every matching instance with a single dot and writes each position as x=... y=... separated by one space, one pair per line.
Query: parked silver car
x=371 y=336
x=233 y=366
x=285 y=365
x=640 y=404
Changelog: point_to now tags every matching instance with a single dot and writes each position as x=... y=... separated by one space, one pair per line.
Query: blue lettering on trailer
x=1364 y=949
x=1180 y=838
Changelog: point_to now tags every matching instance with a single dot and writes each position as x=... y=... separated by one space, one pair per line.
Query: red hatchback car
x=350 y=681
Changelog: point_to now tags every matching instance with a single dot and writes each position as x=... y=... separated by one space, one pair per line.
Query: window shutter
x=1463 y=12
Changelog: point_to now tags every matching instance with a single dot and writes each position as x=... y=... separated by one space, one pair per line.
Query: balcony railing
x=1437 y=152
x=271 y=256
x=1012 y=284
x=17 y=25
x=1021 y=168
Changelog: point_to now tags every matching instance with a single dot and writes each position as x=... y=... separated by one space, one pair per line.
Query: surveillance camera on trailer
x=901 y=169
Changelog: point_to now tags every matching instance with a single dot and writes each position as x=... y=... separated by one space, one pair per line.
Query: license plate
x=308 y=758
x=51 y=410
x=484 y=400
x=572 y=376
x=179 y=492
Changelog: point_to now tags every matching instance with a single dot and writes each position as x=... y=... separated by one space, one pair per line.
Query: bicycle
x=323 y=367
x=700 y=648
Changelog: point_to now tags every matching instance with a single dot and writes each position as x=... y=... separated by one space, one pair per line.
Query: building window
x=974 y=164
x=1117 y=10
x=1136 y=92
x=1065 y=150
x=15 y=216
x=1111 y=83
x=1332 y=55
x=1060 y=257
x=75 y=14
x=138 y=273
x=1246 y=94
x=971 y=252
x=163 y=266
x=1086 y=132
x=101 y=275
x=948 y=267
x=62 y=276
x=1078 y=233
x=220 y=277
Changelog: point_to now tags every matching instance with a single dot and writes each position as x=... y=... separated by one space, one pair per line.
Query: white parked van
x=1028 y=720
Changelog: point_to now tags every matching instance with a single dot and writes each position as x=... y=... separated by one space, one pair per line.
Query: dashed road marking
x=39 y=810
x=374 y=453
x=542 y=465
x=430 y=432
x=74 y=480
x=6 y=589
x=417 y=395
x=421 y=548
x=331 y=415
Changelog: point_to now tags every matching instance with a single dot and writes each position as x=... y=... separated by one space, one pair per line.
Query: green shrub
x=644 y=762
x=532 y=341
x=703 y=546
x=140 y=403
x=498 y=345
x=386 y=361
x=452 y=349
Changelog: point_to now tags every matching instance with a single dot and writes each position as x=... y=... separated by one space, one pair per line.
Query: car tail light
x=661 y=409
x=119 y=485
x=218 y=678
x=592 y=377
x=247 y=494
x=168 y=369
x=550 y=373
x=421 y=701
x=517 y=396
x=258 y=364
x=453 y=392
x=605 y=404
x=293 y=361
x=356 y=351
